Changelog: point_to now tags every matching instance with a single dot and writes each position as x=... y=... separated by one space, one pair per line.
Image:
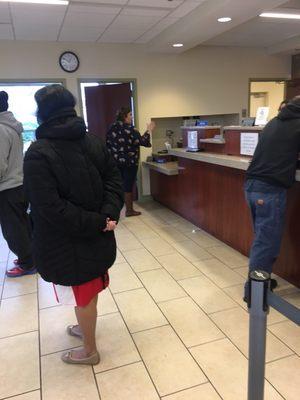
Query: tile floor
x=172 y=326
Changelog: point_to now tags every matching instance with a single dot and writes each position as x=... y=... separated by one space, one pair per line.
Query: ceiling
x=156 y=23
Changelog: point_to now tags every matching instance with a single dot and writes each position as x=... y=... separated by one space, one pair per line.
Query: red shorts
x=81 y=295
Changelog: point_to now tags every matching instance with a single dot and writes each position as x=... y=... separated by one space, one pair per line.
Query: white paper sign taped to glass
x=192 y=140
x=262 y=114
x=249 y=142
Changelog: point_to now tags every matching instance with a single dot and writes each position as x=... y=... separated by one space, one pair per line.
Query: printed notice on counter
x=249 y=142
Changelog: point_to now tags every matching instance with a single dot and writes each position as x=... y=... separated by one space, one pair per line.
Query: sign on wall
x=249 y=142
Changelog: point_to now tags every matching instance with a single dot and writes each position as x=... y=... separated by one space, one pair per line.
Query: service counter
x=207 y=189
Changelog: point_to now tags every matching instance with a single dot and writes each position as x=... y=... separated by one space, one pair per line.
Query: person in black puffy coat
x=75 y=192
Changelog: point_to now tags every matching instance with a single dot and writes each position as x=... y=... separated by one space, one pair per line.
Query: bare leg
x=87 y=319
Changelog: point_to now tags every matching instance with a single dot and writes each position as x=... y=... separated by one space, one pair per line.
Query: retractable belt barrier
x=259 y=301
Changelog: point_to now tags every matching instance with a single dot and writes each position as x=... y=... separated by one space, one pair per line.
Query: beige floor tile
x=127 y=241
x=139 y=310
x=166 y=215
x=53 y=323
x=161 y=285
x=18 y=315
x=289 y=333
x=203 y=239
x=184 y=226
x=143 y=232
x=235 y=324
x=2 y=271
x=191 y=324
x=106 y=303
x=141 y=260
x=123 y=278
x=64 y=381
x=4 y=251
x=219 y=273
x=114 y=343
x=16 y=287
x=191 y=251
x=203 y=392
x=243 y=271
x=19 y=364
x=46 y=294
x=158 y=247
x=153 y=222
x=284 y=375
x=229 y=256
x=128 y=382
x=206 y=294
x=170 y=235
x=119 y=258
x=178 y=266
x=36 y=395
x=227 y=370
x=237 y=293
x=164 y=356
x=294 y=298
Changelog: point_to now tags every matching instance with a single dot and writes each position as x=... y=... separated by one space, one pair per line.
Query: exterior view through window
x=23 y=106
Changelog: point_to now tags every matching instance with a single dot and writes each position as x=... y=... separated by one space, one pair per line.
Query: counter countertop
x=243 y=128
x=168 y=168
x=201 y=127
x=237 y=162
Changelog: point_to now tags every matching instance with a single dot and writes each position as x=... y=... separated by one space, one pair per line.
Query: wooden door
x=102 y=104
x=292 y=88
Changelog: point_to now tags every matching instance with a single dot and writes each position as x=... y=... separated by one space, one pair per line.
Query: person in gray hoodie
x=14 y=219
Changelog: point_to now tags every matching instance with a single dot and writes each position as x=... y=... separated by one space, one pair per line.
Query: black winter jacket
x=72 y=185
x=276 y=155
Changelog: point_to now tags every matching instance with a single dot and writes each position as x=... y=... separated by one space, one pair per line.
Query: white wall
x=205 y=80
x=275 y=95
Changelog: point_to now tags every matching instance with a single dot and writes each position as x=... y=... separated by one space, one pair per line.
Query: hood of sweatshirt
x=290 y=111
x=7 y=119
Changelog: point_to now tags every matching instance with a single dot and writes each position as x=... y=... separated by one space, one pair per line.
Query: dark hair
x=295 y=100
x=3 y=101
x=51 y=99
x=284 y=102
x=122 y=113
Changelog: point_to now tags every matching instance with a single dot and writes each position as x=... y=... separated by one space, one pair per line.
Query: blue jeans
x=268 y=206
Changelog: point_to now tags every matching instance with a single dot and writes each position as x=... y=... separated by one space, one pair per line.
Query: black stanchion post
x=259 y=282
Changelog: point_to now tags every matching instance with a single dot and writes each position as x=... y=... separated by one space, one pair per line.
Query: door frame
x=250 y=80
x=133 y=81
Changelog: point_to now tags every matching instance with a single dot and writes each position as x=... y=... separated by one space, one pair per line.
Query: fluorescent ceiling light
x=177 y=45
x=224 y=19
x=279 y=15
x=51 y=2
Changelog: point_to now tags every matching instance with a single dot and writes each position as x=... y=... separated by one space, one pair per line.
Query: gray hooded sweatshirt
x=11 y=152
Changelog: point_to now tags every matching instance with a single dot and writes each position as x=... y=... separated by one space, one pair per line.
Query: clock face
x=69 y=61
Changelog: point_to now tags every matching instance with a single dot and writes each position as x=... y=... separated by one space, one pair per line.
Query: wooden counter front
x=212 y=197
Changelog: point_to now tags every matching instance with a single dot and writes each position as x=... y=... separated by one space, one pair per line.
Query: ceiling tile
x=94 y=9
x=81 y=19
x=6 y=32
x=79 y=34
x=145 y=11
x=29 y=14
x=131 y=22
x=156 y=30
x=156 y=3
x=36 y=32
x=120 y=36
x=185 y=8
x=4 y=13
x=105 y=2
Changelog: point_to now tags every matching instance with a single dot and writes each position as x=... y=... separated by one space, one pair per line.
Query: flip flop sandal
x=71 y=332
x=94 y=359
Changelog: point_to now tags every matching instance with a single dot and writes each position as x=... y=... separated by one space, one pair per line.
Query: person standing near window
x=123 y=142
x=14 y=219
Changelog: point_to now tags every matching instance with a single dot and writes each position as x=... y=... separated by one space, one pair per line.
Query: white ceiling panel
x=89 y=19
x=115 y=2
x=6 y=32
x=130 y=22
x=145 y=11
x=94 y=9
x=156 y=30
x=185 y=8
x=31 y=13
x=36 y=32
x=4 y=13
x=119 y=37
x=156 y=3
x=80 y=34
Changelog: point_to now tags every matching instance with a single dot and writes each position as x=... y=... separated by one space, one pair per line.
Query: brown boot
x=130 y=212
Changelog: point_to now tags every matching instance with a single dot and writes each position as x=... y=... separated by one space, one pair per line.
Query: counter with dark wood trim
x=208 y=191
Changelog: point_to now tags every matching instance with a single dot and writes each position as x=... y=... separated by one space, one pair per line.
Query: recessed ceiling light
x=224 y=19
x=51 y=2
x=177 y=45
x=279 y=15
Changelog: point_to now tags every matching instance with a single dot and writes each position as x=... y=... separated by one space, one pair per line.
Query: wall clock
x=69 y=61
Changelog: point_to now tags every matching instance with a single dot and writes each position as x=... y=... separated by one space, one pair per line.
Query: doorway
x=266 y=93
x=22 y=104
